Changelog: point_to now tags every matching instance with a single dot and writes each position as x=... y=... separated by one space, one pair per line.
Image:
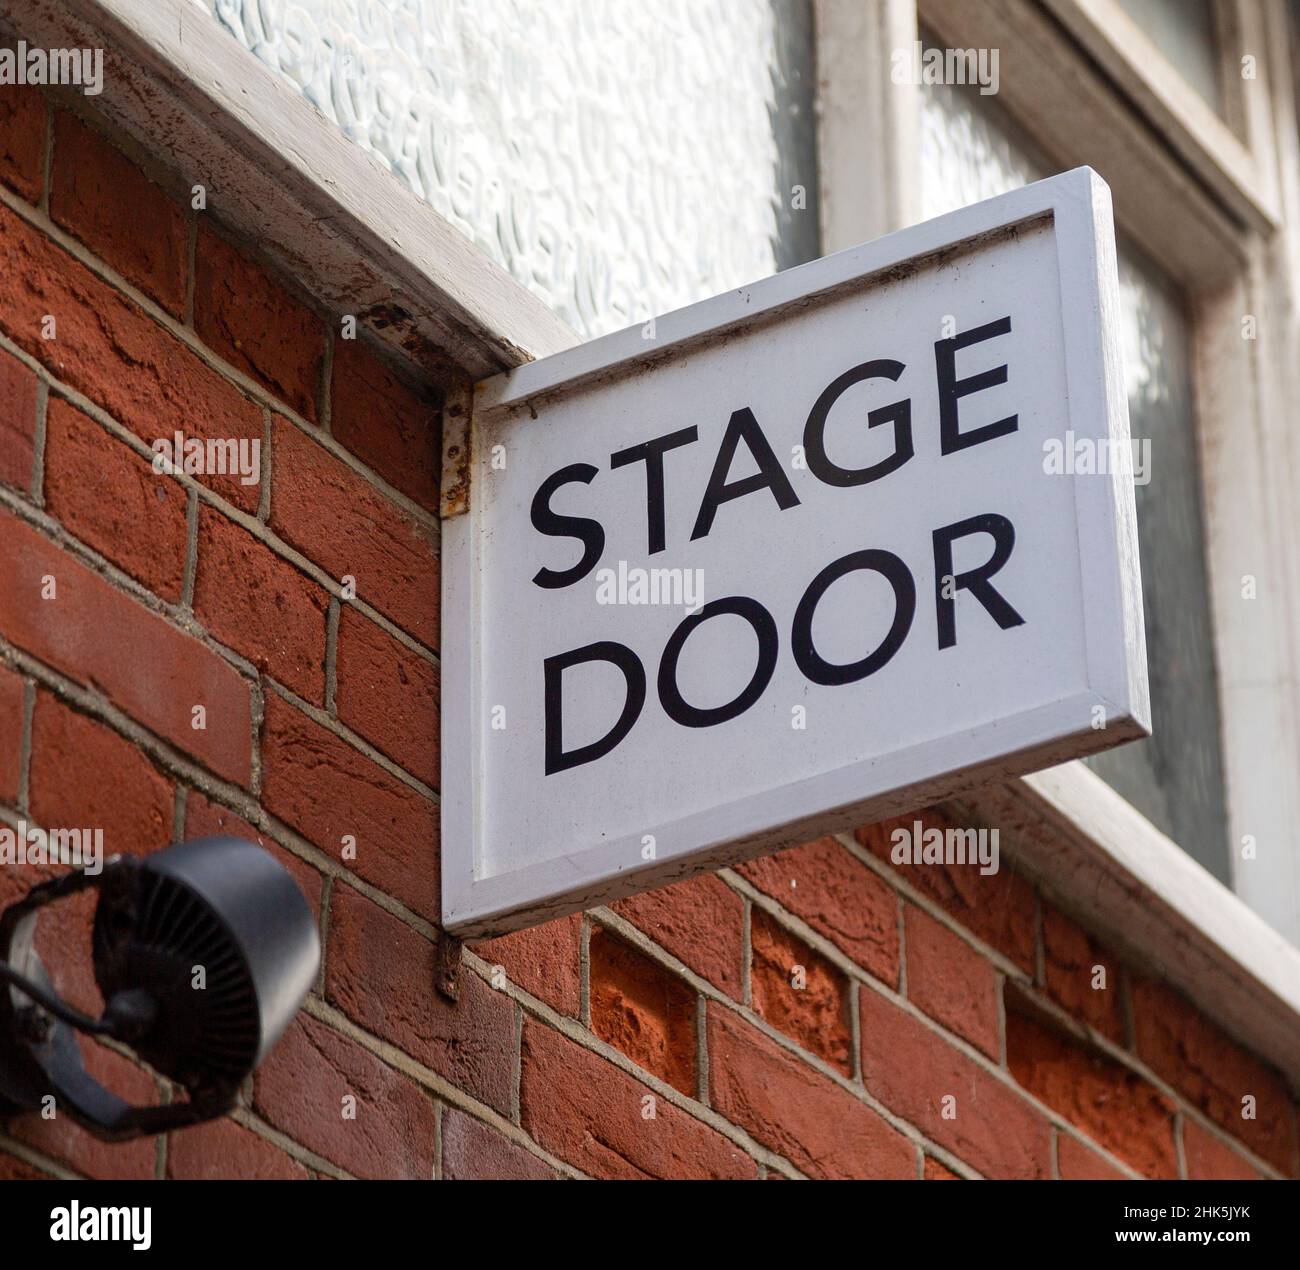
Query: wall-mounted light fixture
x=203 y=953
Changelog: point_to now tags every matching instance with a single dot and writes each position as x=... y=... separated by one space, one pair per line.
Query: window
x=971 y=149
x=1184 y=31
x=620 y=160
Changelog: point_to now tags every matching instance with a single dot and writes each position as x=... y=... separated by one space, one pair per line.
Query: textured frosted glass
x=1176 y=777
x=970 y=149
x=620 y=159
x=1183 y=30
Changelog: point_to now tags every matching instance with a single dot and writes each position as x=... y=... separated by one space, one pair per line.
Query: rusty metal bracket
x=457 y=433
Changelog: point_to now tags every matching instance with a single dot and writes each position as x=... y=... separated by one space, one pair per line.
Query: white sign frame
x=1078 y=202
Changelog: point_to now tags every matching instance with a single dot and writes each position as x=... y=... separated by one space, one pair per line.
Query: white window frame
x=1214 y=202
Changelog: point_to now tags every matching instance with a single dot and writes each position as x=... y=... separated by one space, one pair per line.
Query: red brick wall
x=820 y=1012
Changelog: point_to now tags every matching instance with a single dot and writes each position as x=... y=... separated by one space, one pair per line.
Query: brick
x=224 y=1149
x=1113 y=1105
x=700 y=921
x=244 y=314
x=796 y=1111
x=62 y=937
x=108 y=348
x=472 y=1151
x=11 y=734
x=64 y=1140
x=12 y=1169
x=1211 y=1159
x=839 y=897
x=317 y=783
x=816 y=1015
x=380 y=973
x=22 y=139
x=260 y=605
x=392 y=556
x=17 y=421
x=1070 y=956
x=911 y=1069
x=543 y=960
x=643 y=1010
x=951 y=982
x=588 y=1112
x=99 y=196
x=1000 y=908
x=84 y=775
x=63 y=940
x=1076 y=1162
x=314 y=1077
x=1213 y=1072
x=15 y=881
x=937 y=1172
x=387 y=423
x=389 y=695
x=206 y=819
x=103 y=638
x=110 y=497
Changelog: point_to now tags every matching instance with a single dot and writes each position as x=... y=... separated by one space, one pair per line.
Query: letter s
x=589 y=532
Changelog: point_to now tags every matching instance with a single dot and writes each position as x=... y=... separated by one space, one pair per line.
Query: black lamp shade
x=223 y=909
x=203 y=953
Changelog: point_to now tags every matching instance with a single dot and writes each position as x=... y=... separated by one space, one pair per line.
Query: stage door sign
x=802 y=556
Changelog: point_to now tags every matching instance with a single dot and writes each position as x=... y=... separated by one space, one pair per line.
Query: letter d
x=557 y=759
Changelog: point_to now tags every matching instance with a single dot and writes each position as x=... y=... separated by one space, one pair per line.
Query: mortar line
x=39 y=433
x=517 y=1066
x=191 y=257
x=702 y=1050
x=191 y=552
x=25 y=746
x=332 y=614
x=180 y=804
x=326 y=919
x=1180 y=1152
x=325 y=389
x=265 y=468
x=47 y=154
x=584 y=971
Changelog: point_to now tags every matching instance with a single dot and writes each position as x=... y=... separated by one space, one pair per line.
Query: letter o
x=675 y=705
x=817 y=668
